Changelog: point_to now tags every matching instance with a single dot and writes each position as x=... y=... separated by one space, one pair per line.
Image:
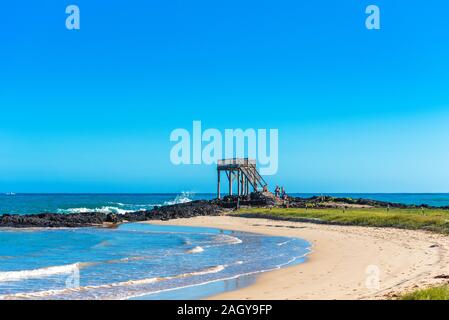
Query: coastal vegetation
x=318 y=209
x=423 y=218
x=434 y=293
x=431 y=219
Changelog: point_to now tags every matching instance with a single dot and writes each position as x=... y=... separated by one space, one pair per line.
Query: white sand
x=337 y=267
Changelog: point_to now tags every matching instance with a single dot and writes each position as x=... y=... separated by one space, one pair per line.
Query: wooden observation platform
x=244 y=171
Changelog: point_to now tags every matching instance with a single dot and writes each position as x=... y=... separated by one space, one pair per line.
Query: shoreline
x=256 y=200
x=342 y=261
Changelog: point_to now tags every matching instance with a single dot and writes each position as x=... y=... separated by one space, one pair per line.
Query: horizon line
x=192 y=192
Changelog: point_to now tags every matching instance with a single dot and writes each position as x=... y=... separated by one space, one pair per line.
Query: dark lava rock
x=55 y=220
x=112 y=218
x=182 y=210
x=52 y=220
x=255 y=199
x=319 y=202
x=185 y=210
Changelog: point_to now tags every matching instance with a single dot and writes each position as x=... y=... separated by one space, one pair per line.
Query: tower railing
x=242 y=169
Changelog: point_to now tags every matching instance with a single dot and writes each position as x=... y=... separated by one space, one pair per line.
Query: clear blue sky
x=92 y=110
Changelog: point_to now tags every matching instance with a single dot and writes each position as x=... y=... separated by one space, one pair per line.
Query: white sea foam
x=104 y=209
x=234 y=240
x=283 y=243
x=49 y=293
x=197 y=249
x=117 y=207
x=184 y=197
x=134 y=292
x=38 y=273
x=133 y=205
x=219 y=279
x=119 y=204
x=227 y=239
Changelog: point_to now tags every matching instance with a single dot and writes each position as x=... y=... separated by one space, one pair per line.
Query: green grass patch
x=436 y=220
x=435 y=293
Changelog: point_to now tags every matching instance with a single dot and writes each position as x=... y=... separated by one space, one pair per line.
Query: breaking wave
x=39 y=273
x=49 y=293
x=133 y=260
x=184 y=197
x=105 y=209
x=197 y=249
x=122 y=208
x=226 y=239
x=283 y=243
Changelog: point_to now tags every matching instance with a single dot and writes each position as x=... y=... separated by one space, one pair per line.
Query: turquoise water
x=138 y=261
x=121 y=203
x=134 y=260
x=76 y=203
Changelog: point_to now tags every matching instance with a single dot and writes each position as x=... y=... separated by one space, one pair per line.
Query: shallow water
x=134 y=260
x=138 y=261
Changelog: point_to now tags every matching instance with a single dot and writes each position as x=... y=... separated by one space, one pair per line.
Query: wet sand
x=346 y=263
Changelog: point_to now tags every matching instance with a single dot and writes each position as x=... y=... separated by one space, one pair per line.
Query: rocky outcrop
x=55 y=220
x=255 y=199
x=187 y=210
x=328 y=201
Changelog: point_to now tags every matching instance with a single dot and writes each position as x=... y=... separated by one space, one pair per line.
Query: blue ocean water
x=132 y=261
x=121 y=203
x=139 y=260
x=75 y=203
x=431 y=199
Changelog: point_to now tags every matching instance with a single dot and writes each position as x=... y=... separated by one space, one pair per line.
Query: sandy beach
x=344 y=260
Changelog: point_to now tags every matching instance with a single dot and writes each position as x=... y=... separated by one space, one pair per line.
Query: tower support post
x=218 y=183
